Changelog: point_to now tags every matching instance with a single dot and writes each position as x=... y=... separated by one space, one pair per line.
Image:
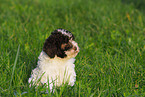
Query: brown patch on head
x=63 y=46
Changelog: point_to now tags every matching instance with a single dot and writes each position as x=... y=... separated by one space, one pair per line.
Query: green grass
x=110 y=34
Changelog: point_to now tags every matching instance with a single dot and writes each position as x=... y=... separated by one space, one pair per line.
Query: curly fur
x=56 y=61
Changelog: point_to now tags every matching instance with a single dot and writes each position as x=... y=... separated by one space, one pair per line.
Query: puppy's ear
x=49 y=47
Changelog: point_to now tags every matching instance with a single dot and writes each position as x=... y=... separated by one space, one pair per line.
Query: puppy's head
x=61 y=44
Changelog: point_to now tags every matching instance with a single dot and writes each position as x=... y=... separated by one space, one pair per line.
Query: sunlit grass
x=110 y=34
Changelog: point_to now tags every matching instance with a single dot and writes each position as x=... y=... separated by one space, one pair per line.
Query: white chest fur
x=58 y=71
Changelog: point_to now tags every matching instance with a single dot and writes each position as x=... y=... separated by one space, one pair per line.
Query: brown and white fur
x=56 y=61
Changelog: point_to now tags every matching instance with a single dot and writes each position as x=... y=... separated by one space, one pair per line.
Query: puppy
x=56 y=61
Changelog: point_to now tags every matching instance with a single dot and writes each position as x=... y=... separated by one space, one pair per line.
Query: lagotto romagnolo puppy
x=56 y=61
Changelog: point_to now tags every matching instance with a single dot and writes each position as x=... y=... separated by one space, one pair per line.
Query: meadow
x=110 y=34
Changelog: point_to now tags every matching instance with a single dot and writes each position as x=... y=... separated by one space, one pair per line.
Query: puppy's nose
x=75 y=48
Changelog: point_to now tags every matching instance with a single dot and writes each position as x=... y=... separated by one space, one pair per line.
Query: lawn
x=110 y=34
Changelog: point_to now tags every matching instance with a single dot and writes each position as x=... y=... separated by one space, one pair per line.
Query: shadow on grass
x=138 y=4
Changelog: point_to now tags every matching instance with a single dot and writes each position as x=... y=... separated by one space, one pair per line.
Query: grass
x=110 y=34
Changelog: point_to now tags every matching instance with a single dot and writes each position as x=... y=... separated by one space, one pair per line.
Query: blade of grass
x=14 y=66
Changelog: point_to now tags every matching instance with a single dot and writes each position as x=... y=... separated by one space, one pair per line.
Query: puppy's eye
x=66 y=46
